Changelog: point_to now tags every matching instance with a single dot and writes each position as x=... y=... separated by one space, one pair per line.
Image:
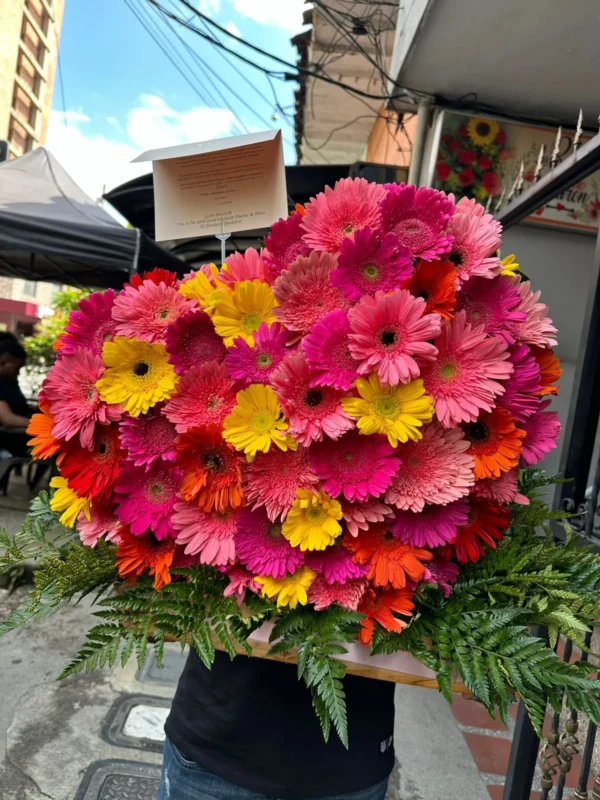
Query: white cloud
x=209 y=7
x=233 y=28
x=73 y=116
x=286 y=14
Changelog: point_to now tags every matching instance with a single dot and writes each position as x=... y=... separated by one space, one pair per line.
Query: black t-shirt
x=11 y=394
x=251 y=722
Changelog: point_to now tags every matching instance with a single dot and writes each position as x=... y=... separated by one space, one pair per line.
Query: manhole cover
x=169 y=671
x=119 y=780
x=137 y=720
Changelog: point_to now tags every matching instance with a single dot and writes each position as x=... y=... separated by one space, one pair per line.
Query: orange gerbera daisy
x=391 y=561
x=378 y=607
x=496 y=443
x=212 y=474
x=486 y=525
x=135 y=554
x=43 y=444
x=550 y=370
x=93 y=473
x=435 y=282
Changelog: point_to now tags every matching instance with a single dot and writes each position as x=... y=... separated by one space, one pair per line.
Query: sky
x=121 y=94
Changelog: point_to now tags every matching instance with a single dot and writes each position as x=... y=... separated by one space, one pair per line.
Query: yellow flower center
x=262 y=422
x=163 y=313
x=263 y=360
x=447 y=371
x=386 y=406
x=315 y=515
x=370 y=272
x=156 y=489
x=251 y=321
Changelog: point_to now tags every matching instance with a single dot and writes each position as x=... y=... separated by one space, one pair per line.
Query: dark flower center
x=423 y=294
x=483 y=129
x=212 y=462
x=456 y=258
x=263 y=359
x=313 y=398
x=156 y=489
x=477 y=432
x=388 y=338
x=388 y=536
x=102 y=448
x=274 y=532
x=141 y=369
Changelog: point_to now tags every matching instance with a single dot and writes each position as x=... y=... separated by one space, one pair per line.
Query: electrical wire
x=62 y=90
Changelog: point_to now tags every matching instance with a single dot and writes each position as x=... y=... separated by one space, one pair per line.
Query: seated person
x=14 y=409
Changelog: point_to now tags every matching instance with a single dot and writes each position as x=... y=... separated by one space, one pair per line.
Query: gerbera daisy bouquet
x=334 y=436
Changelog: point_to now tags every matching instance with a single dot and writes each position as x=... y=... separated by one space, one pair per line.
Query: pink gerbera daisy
x=146 y=499
x=347 y=595
x=70 y=389
x=476 y=238
x=543 y=429
x=503 y=490
x=443 y=573
x=493 y=304
x=262 y=548
x=371 y=262
x=358 y=516
x=336 y=213
x=145 y=312
x=246 y=266
x=305 y=294
x=388 y=332
x=204 y=397
x=434 y=526
x=335 y=564
x=240 y=580
x=465 y=376
x=272 y=479
x=90 y=325
x=418 y=218
x=359 y=467
x=102 y=523
x=537 y=329
x=311 y=410
x=192 y=341
x=327 y=349
x=436 y=469
x=209 y=534
x=255 y=364
x=284 y=244
x=523 y=384
x=148 y=437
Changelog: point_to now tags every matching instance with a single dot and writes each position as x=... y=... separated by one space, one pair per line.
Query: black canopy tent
x=50 y=230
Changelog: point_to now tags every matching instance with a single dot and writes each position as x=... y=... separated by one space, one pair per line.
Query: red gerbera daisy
x=93 y=473
x=380 y=607
x=156 y=275
x=435 y=282
x=391 y=562
x=486 y=525
x=135 y=554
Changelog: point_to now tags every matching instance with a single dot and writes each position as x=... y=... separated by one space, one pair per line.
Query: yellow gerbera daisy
x=65 y=500
x=482 y=131
x=205 y=290
x=137 y=375
x=242 y=311
x=290 y=590
x=312 y=521
x=398 y=411
x=509 y=266
x=256 y=422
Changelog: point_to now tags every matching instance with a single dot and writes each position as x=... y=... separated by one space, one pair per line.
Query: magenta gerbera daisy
x=493 y=304
x=102 y=523
x=146 y=312
x=204 y=397
x=388 y=332
x=255 y=364
x=537 y=329
x=90 y=325
x=192 y=341
x=246 y=266
x=347 y=595
x=146 y=499
x=335 y=564
x=436 y=469
x=465 y=376
x=359 y=467
x=336 y=213
x=304 y=292
x=208 y=534
x=418 y=218
x=443 y=573
x=272 y=479
x=70 y=389
x=327 y=349
x=369 y=262
x=523 y=384
x=543 y=430
x=476 y=238
x=148 y=437
x=240 y=581
x=284 y=244
x=358 y=516
x=504 y=489
x=311 y=410
x=434 y=526
x=262 y=548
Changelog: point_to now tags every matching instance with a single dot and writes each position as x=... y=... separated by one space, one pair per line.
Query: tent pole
x=136 y=256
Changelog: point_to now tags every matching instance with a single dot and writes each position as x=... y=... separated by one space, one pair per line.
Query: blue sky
x=122 y=95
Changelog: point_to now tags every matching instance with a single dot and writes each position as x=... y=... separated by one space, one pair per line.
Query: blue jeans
x=186 y=780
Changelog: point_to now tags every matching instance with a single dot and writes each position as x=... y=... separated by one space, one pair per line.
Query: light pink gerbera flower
x=335 y=564
x=146 y=499
x=327 y=349
x=304 y=292
x=204 y=397
x=255 y=364
x=493 y=304
x=358 y=516
x=70 y=389
x=284 y=244
x=443 y=573
x=503 y=490
x=388 y=332
x=465 y=376
x=311 y=410
x=347 y=595
x=209 y=534
x=434 y=526
x=148 y=437
x=262 y=548
x=418 y=218
x=523 y=384
x=537 y=329
x=476 y=238
x=336 y=213
x=90 y=325
x=192 y=341
x=246 y=266
x=359 y=467
x=436 y=469
x=240 y=581
x=102 y=523
x=369 y=262
x=543 y=430
x=272 y=479
x=146 y=312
